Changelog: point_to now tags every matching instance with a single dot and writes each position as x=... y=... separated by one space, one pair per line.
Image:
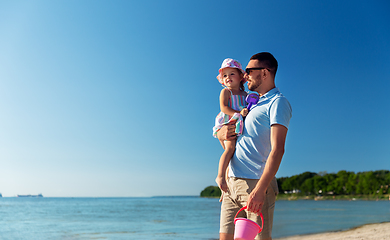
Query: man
x=259 y=150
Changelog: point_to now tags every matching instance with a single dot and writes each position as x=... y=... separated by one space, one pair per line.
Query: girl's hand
x=221 y=181
x=244 y=112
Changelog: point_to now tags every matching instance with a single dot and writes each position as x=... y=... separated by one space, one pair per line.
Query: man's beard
x=254 y=85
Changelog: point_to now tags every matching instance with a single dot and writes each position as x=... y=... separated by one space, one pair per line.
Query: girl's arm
x=224 y=103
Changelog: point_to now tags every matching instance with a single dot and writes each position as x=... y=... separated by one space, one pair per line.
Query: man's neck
x=261 y=92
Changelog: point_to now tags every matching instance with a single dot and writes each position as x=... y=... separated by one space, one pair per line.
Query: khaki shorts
x=236 y=198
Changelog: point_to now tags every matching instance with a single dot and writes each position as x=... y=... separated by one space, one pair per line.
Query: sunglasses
x=248 y=70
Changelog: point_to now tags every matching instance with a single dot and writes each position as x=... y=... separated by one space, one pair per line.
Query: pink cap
x=229 y=63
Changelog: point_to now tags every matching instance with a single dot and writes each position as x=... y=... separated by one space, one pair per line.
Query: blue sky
x=118 y=98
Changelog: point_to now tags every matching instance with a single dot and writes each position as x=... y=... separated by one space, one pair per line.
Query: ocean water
x=109 y=218
x=168 y=217
x=309 y=216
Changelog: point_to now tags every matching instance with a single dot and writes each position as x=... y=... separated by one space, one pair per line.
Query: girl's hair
x=242 y=87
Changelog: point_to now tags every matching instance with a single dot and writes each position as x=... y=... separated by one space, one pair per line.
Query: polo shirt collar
x=270 y=93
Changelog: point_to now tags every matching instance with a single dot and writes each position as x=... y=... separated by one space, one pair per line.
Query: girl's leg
x=230 y=147
x=222 y=143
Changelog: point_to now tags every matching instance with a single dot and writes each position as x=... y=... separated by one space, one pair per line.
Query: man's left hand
x=256 y=201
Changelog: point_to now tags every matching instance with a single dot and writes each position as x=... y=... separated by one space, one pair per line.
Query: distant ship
x=1 y=195
x=29 y=195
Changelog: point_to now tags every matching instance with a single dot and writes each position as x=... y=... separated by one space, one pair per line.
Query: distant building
x=293 y=191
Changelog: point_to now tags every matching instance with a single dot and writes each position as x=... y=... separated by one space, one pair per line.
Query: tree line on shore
x=341 y=183
x=323 y=183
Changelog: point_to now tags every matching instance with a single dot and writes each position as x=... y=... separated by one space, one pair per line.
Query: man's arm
x=257 y=197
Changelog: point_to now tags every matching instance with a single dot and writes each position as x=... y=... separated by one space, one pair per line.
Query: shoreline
x=369 y=231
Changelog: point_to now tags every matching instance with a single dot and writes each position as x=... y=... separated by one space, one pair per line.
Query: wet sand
x=376 y=231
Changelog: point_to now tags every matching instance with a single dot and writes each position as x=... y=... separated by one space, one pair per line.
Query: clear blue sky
x=118 y=98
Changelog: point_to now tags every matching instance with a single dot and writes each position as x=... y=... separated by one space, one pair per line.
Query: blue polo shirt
x=254 y=145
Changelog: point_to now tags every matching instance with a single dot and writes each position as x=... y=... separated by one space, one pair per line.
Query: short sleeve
x=280 y=112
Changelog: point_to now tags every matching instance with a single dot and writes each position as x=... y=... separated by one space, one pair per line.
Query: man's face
x=253 y=77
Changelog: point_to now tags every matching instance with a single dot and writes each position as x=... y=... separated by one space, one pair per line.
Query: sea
x=166 y=218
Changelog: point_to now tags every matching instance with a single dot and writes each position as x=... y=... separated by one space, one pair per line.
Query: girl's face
x=231 y=77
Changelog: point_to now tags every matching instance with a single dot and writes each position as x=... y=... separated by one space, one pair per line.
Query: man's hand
x=256 y=201
x=227 y=132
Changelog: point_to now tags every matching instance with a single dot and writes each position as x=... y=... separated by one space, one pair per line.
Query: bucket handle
x=261 y=215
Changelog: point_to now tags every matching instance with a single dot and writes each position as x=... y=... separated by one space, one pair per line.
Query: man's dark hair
x=268 y=60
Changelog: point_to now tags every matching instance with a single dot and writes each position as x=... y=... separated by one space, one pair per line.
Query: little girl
x=233 y=109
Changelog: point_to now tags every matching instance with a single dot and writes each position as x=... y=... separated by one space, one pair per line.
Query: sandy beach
x=377 y=231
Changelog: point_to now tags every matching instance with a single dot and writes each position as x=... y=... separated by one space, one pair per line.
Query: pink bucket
x=246 y=229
